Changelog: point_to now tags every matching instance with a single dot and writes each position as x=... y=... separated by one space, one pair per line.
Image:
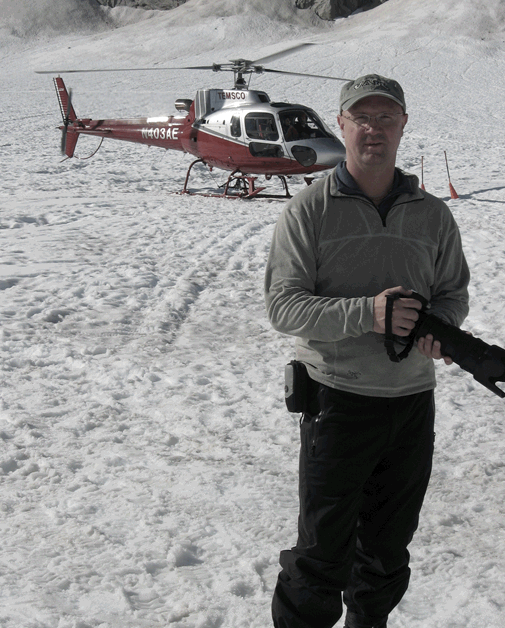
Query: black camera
x=485 y=362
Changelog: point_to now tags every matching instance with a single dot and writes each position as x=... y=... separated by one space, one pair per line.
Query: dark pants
x=365 y=464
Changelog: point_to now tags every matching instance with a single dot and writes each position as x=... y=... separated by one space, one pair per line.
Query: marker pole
x=451 y=188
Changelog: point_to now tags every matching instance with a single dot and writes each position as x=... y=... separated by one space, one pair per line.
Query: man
x=301 y=126
x=339 y=248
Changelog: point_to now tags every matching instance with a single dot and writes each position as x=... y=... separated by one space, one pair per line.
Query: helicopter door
x=262 y=129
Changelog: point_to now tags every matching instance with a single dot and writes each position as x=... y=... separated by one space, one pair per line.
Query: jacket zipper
x=367 y=201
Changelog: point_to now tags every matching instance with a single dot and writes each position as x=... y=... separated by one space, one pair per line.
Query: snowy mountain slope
x=148 y=468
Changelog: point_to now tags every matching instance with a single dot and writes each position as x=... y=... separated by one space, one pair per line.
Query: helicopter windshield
x=301 y=125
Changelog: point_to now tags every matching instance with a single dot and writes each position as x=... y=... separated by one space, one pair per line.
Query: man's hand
x=431 y=349
x=404 y=312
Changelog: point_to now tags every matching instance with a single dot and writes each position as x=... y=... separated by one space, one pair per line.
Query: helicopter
x=237 y=130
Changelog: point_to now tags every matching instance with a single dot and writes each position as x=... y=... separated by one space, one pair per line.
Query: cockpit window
x=261 y=126
x=235 y=126
x=301 y=125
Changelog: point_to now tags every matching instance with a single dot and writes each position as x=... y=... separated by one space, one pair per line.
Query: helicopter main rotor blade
x=332 y=78
x=214 y=67
x=245 y=63
x=280 y=54
x=111 y=70
x=239 y=65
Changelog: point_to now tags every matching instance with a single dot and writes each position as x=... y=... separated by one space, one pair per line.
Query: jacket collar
x=405 y=186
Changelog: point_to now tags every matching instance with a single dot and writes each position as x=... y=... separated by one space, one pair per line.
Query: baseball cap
x=371 y=85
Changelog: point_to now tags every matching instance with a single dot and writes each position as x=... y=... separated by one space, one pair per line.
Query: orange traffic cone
x=453 y=192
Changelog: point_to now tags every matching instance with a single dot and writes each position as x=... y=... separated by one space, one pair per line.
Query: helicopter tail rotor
x=69 y=116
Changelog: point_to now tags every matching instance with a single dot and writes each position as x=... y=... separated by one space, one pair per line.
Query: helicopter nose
x=304 y=155
x=331 y=153
x=325 y=152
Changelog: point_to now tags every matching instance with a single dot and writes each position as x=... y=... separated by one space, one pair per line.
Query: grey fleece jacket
x=332 y=253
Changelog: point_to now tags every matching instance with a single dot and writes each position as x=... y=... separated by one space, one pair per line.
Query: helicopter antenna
x=239 y=67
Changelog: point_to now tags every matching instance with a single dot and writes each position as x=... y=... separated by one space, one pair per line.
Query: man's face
x=372 y=145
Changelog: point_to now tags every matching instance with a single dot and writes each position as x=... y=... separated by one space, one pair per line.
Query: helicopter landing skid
x=238 y=185
x=241 y=186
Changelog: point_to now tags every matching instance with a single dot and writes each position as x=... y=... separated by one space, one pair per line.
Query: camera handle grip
x=390 y=339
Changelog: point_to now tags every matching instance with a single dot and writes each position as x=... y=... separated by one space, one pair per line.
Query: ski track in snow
x=148 y=467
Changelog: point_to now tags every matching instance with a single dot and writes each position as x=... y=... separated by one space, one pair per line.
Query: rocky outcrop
x=325 y=9
x=332 y=9
x=162 y=5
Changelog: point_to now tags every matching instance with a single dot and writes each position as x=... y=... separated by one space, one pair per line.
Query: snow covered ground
x=148 y=466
